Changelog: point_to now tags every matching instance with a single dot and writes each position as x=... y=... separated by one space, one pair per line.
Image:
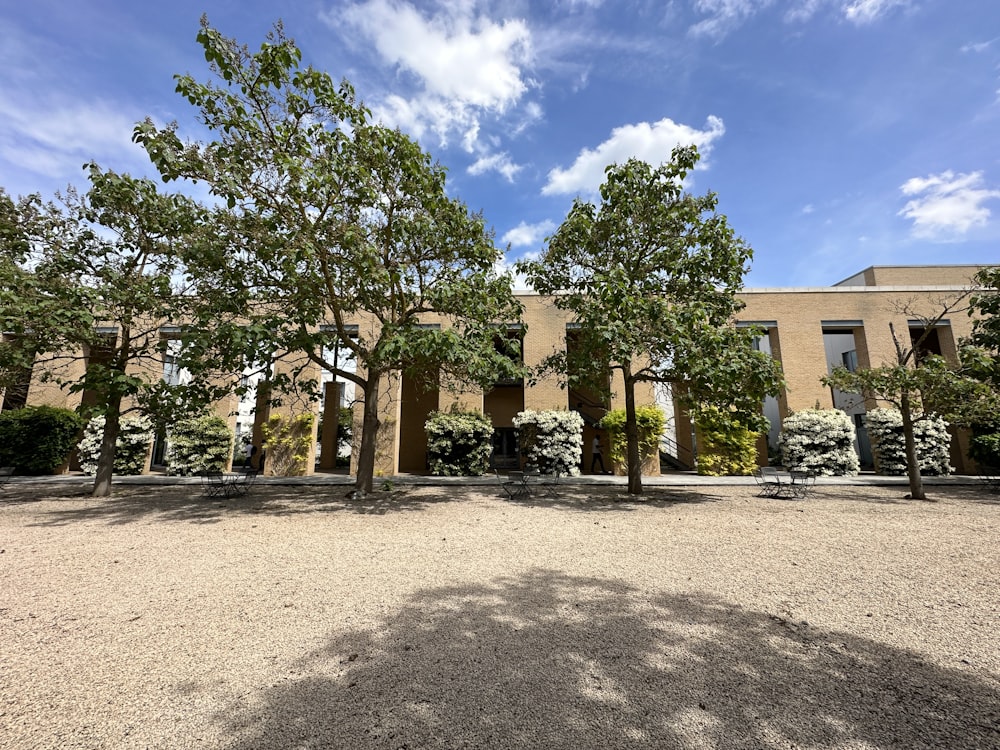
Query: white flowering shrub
x=199 y=445
x=552 y=440
x=819 y=441
x=459 y=443
x=933 y=441
x=131 y=449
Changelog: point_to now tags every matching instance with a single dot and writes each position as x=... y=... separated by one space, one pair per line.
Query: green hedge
x=725 y=446
x=198 y=445
x=38 y=439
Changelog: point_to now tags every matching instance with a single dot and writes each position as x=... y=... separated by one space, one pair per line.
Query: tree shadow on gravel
x=185 y=503
x=553 y=661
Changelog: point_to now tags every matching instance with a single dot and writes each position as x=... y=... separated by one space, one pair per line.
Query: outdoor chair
x=513 y=483
x=6 y=472
x=241 y=484
x=213 y=484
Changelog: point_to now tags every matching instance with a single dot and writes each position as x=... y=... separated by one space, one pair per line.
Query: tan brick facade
x=796 y=320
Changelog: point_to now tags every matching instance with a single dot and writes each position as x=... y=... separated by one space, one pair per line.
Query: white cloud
x=525 y=235
x=500 y=163
x=54 y=137
x=464 y=63
x=651 y=143
x=867 y=11
x=947 y=204
x=724 y=15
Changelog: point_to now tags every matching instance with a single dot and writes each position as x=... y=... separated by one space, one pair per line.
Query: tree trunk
x=912 y=464
x=109 y=440
x=633 y=460
x=369 y=435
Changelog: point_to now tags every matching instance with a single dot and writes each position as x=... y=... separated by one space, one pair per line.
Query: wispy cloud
x=947 y=205
x=724 y=15
x=650 y=142
x=500 y=163
x=528 y=235
x=867 y=11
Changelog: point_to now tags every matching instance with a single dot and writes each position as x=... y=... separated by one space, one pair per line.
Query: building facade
x=809 y=330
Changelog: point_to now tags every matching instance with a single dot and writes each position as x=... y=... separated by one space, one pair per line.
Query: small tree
x=922 y=386
x=651 y=276
x=552 y=440
x=92 y=281
x=459 y=443
x=199 y=445
x=820 y=441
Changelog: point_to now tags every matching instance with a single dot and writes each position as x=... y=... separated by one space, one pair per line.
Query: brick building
x=809 y=329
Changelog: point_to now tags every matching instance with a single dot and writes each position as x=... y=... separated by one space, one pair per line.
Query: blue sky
x=837 y=133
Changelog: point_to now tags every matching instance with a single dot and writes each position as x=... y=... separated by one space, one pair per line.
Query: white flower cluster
x=134 y=436
x=933 y=442
x=552 y=440
x=820 y=441
x=199 y=445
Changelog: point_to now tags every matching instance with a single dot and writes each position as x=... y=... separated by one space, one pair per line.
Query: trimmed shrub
x=131 y=449
x=885 y=428
x=38 y=439
x=985 y=450
x=650 y=422
x=198 y=445
x=820 y=441
x=459 y=443
x=552 y=440
x=289 y=444
x=725 y=446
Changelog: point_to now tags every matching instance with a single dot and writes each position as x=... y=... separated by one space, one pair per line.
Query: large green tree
x=923 y=385
x=334 y=222
x=650 y=275
x=94 y=278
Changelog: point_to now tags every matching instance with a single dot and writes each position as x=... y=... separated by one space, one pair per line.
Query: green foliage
x=651 y=275
x=332 y=218
x=459 y=443
x=725 y=445
x=38 y=439
x=820 y=441
x=552 y=440
x=131 y=448
x=649 y=422
x=198 y=445
x=288 y=444
x=984 y=449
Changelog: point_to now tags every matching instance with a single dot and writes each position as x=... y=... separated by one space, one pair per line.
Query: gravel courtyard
x=429 y=617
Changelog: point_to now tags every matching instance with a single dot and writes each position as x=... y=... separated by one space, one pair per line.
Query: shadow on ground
x=553 y=661
x=186 y=503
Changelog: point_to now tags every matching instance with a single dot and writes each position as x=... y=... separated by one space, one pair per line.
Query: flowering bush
x=820 y=441
x=885 y=428
x=650 y=422
x=289 y=444
x=552 y=440
x=725 y=446
x=459 y=443
x=131 y=449
x=198 y=445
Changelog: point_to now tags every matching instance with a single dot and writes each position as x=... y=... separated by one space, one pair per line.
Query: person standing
x=596 y=456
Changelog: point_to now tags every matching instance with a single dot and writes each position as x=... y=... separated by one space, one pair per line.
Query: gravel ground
x=431 y=617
